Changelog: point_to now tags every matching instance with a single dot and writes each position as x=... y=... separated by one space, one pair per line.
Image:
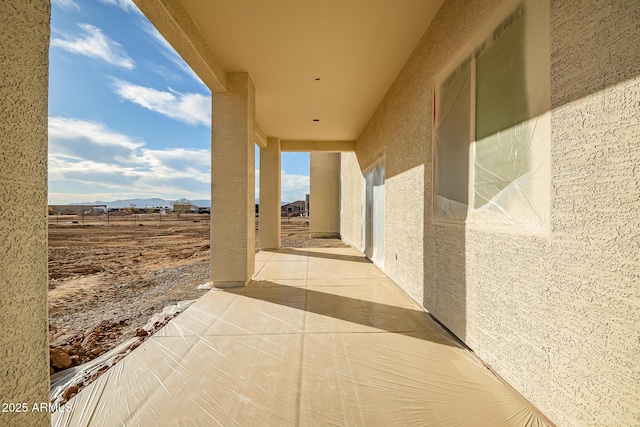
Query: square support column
x=324 y=197
x=233 y=183
x=24 y=343
x=270 y=161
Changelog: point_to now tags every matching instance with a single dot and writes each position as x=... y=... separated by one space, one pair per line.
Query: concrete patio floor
x=321 y=337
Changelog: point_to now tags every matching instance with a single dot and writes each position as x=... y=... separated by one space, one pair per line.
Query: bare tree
x=181 y=206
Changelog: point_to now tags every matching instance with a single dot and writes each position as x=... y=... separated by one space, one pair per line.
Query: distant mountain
x=282 y=203
x=141 y=203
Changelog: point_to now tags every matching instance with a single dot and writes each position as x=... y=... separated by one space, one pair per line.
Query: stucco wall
x=351 y=201
x=24 y=48
x=557 y=316
x=324 y=194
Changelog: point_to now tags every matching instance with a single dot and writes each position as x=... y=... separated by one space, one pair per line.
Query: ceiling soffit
x=320 y=68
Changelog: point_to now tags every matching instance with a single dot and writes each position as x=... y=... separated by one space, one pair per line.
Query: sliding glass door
x=373 y=214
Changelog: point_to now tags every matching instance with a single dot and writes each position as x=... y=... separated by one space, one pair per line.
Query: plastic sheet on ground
x=80 y=375
x=205 y=286
x=339 y=344
x=167 y=313
x=61 y=381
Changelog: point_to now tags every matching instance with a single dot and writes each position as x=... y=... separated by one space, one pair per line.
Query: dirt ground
x=108 y=277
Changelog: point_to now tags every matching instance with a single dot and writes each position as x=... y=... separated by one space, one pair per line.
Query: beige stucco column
x=324 y=197
x=270 y=195
x=233 y=183
x=24 y=346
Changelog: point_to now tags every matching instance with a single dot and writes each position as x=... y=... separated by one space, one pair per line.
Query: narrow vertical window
x=502 y=108
x=452 y=129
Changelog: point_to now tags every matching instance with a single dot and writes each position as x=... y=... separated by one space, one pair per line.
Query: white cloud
x=126 y=5
x=88 y=161
x=168 y=51
x=66 y=4
x=293 y=187
x=181 y=158
x=191 y=108
x=257 y=183
x=67 y=128
x=95 y=44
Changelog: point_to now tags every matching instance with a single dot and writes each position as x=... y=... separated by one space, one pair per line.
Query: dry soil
x=108 y=276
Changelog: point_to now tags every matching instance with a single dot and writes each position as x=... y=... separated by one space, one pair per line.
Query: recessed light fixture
x=316 y=120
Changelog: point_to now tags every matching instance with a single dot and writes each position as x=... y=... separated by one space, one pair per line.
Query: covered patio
x=319 y=337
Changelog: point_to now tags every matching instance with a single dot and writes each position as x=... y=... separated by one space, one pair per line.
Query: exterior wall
x=324 y=207
x=351 y=181
x=404 y=229
x=24 y=48
x=557 y=315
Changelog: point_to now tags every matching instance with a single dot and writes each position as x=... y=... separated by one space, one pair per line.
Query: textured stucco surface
x=404 y=229
x=24 y=51
x=556 y=316
x=351 y=181
x=233 y=182
x=270 y=176
x=324 y=194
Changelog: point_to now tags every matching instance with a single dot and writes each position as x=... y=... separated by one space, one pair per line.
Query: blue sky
x=127 y=117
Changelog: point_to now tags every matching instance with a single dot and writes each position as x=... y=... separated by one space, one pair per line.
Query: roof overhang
x=320 y=68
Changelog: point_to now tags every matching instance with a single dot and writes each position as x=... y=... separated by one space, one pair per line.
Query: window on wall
x=492 y=127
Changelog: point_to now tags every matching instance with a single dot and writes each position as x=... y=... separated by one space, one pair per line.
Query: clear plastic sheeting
x=452 y=124
x=373 y=214
x=84 y=374
x=338 y=345
x=78 y=375
x=492 y=125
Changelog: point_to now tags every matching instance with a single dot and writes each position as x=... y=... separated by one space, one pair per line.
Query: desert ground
x=109 y=275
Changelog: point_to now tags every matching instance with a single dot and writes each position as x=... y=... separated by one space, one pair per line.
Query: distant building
x=97 y=210
x=76 y=209
x=293 y=208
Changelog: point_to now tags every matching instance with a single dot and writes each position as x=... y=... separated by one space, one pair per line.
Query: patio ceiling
x=356 y=48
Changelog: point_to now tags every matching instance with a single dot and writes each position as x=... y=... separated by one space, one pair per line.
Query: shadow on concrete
x=385 y=317
x=327 y=255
